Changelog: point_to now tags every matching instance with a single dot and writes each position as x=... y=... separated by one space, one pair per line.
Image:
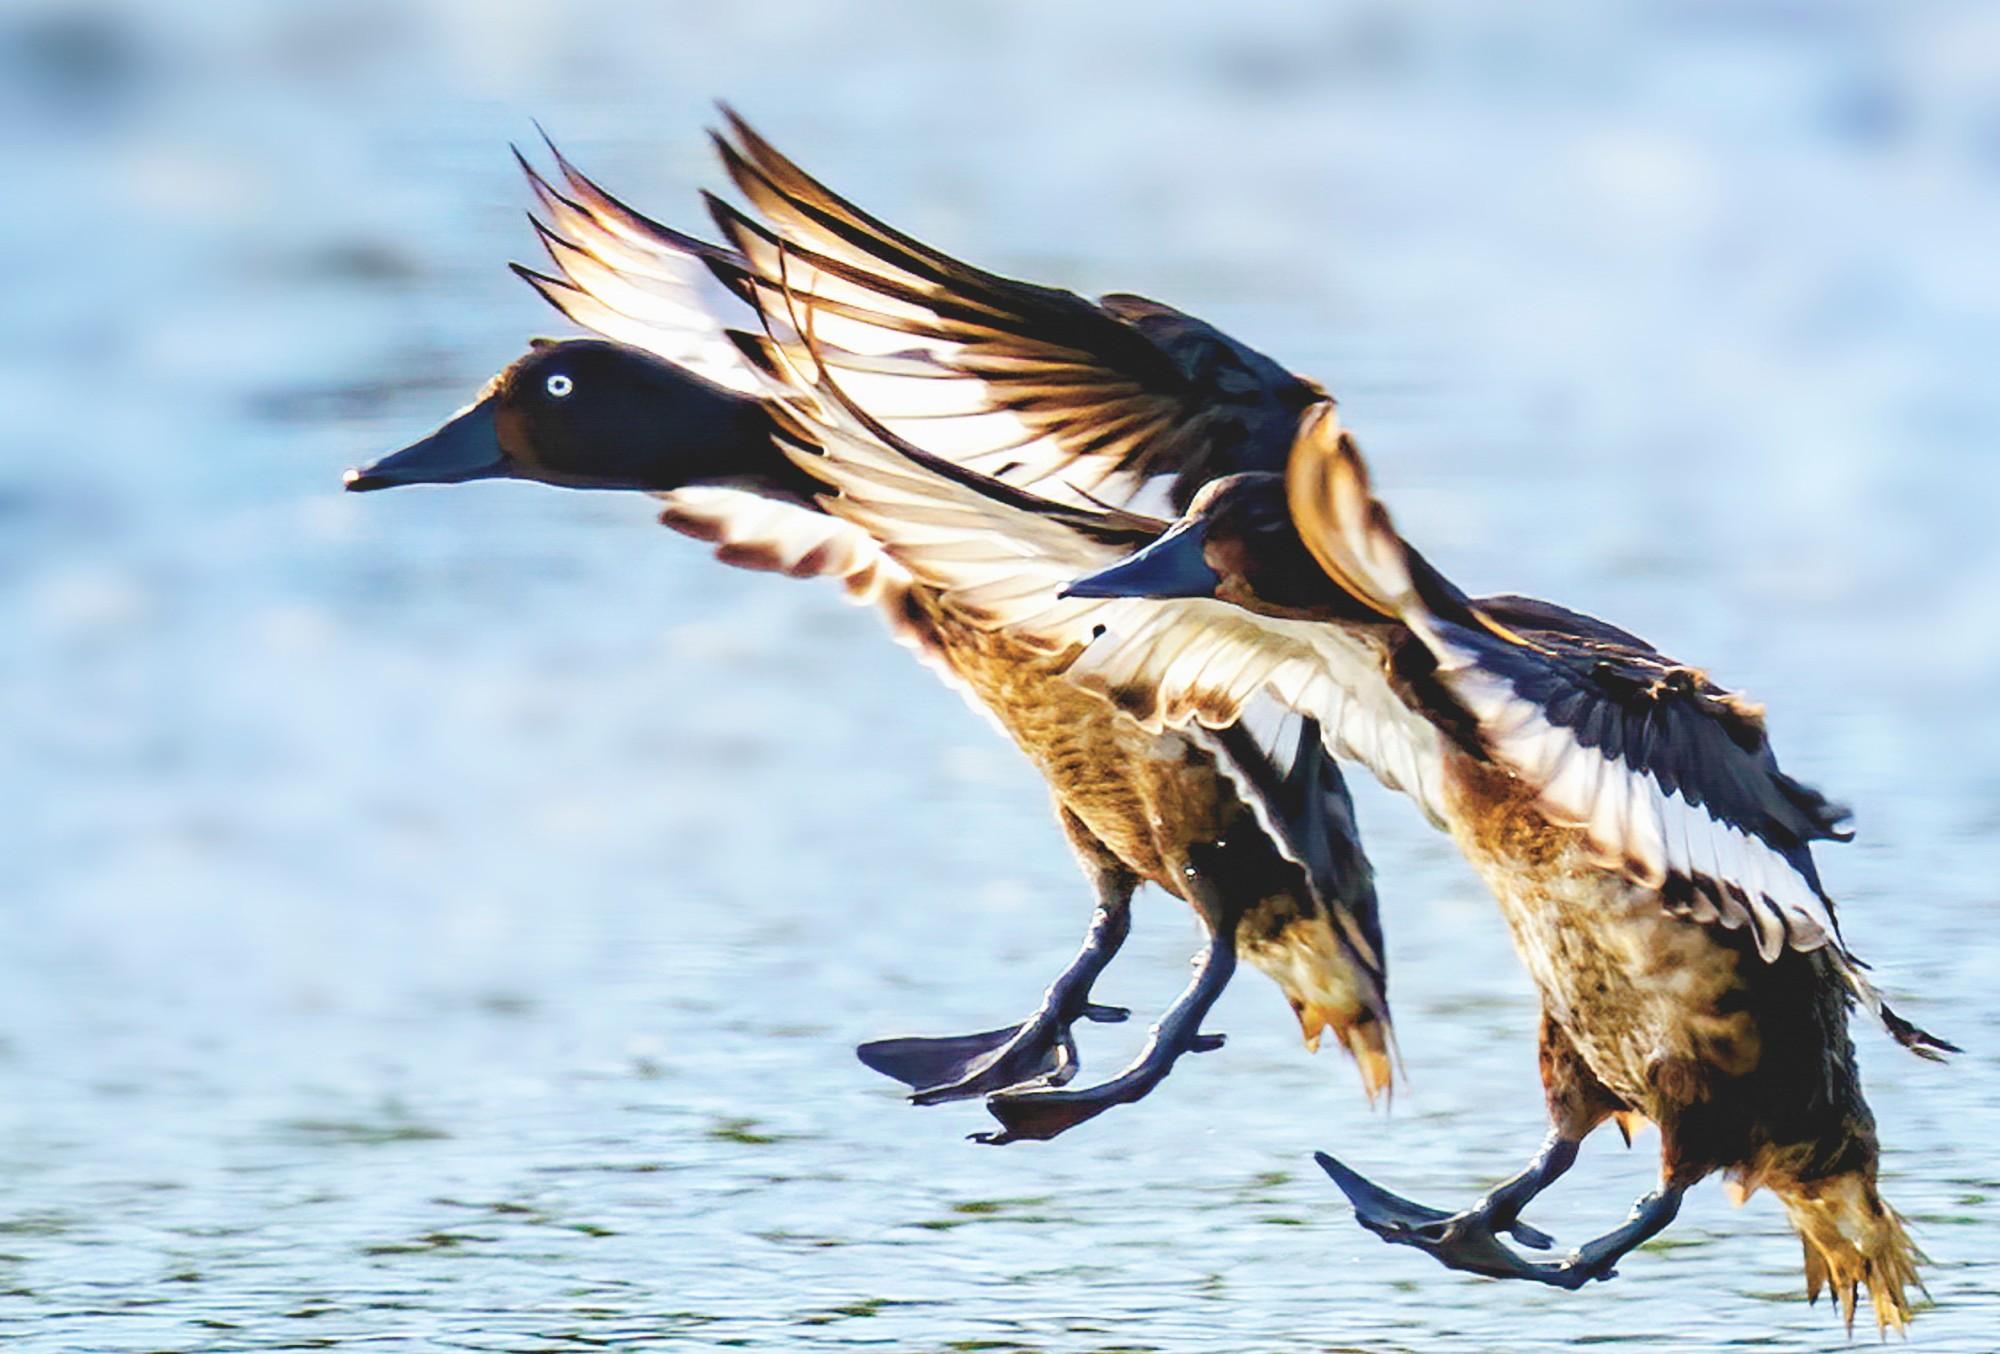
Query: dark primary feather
x=1619 y=695
x=1126 y=391
x=1530 y=614
x=1110 y=526
x=1106 y=400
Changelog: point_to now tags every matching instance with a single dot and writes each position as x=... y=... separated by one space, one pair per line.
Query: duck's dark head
x=1236 y=542
x=588 y=414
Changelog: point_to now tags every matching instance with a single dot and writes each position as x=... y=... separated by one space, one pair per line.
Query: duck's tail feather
x=1323 y=946
x=1910 y=1035
x=1329 y=993
x=1854 y=1240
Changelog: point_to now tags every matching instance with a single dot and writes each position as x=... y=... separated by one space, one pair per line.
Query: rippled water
x=442 y=920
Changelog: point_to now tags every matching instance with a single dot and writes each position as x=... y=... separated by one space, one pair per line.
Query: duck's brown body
x=1745 y=1065
x=1144 y=797
x=1151 y=804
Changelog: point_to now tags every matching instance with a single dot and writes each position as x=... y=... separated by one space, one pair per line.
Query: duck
x=678 y=396
x=1651 y=859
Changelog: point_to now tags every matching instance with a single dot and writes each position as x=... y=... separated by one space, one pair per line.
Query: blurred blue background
x=442 y=920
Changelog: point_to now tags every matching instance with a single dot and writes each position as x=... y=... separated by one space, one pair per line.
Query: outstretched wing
x=1001 y=557
x=1671 y=778
x=633 y=280
x=1123 y=401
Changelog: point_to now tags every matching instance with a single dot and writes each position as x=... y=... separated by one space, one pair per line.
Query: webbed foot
x=959 y=1067
x=1466 y=1241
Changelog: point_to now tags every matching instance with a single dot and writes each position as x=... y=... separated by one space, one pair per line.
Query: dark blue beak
x=1172 y=566
x=467 y=448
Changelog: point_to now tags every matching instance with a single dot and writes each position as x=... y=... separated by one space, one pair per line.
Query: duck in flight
x=1037 y=387
x=1651 y=859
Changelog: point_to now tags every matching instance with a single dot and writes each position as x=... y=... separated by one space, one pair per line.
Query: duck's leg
x=1039 y=1049
x=1469 y=1240
x=1041 y=1112
x=1595 y=1259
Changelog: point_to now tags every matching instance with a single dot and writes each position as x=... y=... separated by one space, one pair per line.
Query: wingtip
x=732 y=223
x=547 y=140
x=578 y=182
x=725 y=150
x=552 y=243
x=738 y=164
x=736 y=121
x=546 y=193
x=540 y=281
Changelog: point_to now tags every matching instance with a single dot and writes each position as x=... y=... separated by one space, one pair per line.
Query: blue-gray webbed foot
x=1469 y=1241
x=1040 y=1050
x=959 y=1067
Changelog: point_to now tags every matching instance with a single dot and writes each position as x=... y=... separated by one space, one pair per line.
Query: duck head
x=588 y=414
x=1236 y=543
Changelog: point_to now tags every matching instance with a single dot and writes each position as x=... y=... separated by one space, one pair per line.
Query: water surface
x=442 y=920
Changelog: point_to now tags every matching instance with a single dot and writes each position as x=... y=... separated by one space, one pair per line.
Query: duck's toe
x=1037 y=1113
x=1374 y=1207
x=926 y=1063
x=1039 y=1052
x=1463 y=1241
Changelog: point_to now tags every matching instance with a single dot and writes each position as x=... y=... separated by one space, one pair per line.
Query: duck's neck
x=708 y=435
x=742 y=452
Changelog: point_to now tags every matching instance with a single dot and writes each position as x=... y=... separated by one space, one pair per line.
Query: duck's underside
x=1138 y=807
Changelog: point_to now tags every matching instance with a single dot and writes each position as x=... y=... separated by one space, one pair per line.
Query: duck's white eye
x=559 y=385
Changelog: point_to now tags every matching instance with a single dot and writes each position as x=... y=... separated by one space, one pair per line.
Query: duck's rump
x=1736 y=1058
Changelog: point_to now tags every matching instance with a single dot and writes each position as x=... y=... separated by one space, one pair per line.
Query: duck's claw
x=1464 y=1241
x=1534 y=1238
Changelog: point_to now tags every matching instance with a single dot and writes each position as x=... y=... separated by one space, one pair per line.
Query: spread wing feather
x=632 y=279
x=1620 y=742
x=1112 y=402
x=1670 y=778
x=1002 y=557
